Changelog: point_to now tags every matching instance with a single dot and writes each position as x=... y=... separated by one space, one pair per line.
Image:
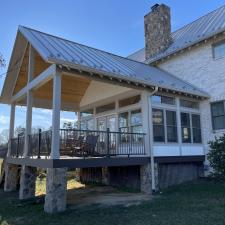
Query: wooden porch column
x=29 y=101
x=55 y=154
x=11 y=127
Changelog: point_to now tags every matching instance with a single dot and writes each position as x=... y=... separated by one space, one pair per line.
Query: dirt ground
x=103 y=196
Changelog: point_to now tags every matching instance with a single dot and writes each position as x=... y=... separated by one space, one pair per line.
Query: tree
x=4 y=137
x=19 y=130
x=216 y=157
x=2 y=61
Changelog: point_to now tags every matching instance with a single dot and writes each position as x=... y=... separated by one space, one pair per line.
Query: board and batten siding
x=198 y=67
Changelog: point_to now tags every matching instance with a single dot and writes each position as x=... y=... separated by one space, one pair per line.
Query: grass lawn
x=199 y=203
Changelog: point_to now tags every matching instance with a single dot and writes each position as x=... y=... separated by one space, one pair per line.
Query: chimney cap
x=154 y=7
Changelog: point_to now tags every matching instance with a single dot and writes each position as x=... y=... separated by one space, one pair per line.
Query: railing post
x=108 y=141
x=39 y=143
x=17 y=147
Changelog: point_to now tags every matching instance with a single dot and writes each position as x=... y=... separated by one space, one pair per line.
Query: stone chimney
x=157 y=30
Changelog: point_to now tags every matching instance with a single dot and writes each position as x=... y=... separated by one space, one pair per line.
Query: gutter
x=151 y=143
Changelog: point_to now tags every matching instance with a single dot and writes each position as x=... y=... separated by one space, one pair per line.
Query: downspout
x=151 y=140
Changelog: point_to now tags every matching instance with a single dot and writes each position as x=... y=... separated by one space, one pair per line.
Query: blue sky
x=112 y=25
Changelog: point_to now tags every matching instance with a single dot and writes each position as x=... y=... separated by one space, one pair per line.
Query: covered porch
x=57 y=88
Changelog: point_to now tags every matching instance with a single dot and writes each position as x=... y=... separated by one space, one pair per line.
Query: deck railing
x=17 y=146
x=82 y=143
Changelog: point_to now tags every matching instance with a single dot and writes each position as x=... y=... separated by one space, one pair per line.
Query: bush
x=216 y=157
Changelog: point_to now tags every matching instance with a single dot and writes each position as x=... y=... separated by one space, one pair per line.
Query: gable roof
x=205 y=27
x=71 y=54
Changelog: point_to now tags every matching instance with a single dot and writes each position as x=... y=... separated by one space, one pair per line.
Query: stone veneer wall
x=11 y=177
x=157 y=30
x=56 y=189
x=145 y=179
x=198 y=67
x=27 y=182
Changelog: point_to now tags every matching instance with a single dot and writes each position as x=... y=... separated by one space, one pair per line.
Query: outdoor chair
x=88 y=147
x=70 y=145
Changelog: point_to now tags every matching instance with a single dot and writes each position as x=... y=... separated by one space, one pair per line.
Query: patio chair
x=88 y=147
x=72 y=144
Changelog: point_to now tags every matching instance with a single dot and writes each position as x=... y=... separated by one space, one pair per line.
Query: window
x=130 y=122
x=105 y=108
x=189 y=104
x=171 y=125
x=87 y=124
x=163 y=100
x=191 y=128
x=196 y=128
x=158 y=125
x=164 y=131
x=129 y=101
x=85 y=113
x=219 y=50
x=218 y=115
x=136 y=121
x=186 y=128
x=123 y=122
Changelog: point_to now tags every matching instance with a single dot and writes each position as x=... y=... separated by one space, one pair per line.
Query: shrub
x=216 y=157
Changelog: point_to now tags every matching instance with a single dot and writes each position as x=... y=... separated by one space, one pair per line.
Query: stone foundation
x=27 y=182
x=11 y=177
x=56 y=188
x=145 y=179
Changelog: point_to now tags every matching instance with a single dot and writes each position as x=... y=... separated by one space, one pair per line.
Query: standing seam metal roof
x=68 y=53
x=204 y=27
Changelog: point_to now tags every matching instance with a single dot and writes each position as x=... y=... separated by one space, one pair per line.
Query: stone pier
x=27 y=182
x=145 y=179
x=56 y=188
x=11 y=177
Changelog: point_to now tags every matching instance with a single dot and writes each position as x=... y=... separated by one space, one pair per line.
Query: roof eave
x=118 y=77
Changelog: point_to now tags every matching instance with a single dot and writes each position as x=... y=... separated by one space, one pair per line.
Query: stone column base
x=105 y=176
x=145 y=179
x=11 y=177
x=56 y=185
x=156 y=170
x=27 y=182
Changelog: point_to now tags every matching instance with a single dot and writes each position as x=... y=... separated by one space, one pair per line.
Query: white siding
x=198 y=67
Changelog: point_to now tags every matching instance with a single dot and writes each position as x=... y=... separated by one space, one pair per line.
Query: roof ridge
x=84 y=45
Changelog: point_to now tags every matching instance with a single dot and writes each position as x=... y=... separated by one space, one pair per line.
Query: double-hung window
x=158 y=125
x=191 y=128
x=218 y=115
x=164 y=125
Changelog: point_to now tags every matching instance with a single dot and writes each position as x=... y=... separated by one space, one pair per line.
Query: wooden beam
x=40 y=80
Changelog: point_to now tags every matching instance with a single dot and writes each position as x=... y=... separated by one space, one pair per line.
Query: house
x=144 y=120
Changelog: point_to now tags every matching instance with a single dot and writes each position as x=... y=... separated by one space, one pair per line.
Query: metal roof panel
x=76 y=55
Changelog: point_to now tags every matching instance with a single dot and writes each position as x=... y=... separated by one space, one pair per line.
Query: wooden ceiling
x=73 y=87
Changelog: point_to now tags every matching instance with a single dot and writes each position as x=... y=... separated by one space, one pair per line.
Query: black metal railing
x=101 y=143
x=39 y=144
x=82 y=143
x=17 y=146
